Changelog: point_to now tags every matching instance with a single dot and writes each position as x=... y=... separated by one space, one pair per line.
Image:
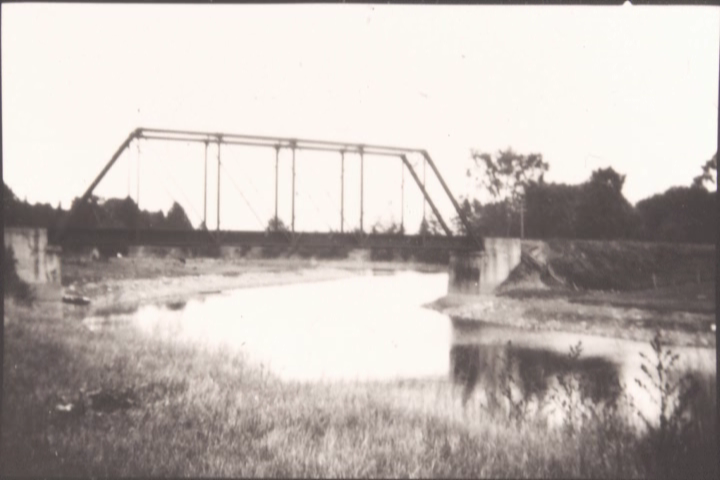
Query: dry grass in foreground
x=115 y=403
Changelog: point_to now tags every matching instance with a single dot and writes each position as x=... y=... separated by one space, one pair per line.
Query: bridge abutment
x=479 y=273
x=38 y=263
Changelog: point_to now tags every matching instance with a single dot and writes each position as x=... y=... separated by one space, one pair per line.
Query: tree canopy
x=709 y=173
x=602 y=210
x=506 y=176
x=95 y=213
x=680 y=214
x=597 y=209
x=177 y=219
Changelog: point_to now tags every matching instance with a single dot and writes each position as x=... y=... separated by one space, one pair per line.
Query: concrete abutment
x=38 y=263
x=480 y=272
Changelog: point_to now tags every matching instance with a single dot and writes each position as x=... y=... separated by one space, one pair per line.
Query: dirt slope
x=611 y=265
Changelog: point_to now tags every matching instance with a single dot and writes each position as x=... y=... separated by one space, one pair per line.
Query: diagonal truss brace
x=419 y=182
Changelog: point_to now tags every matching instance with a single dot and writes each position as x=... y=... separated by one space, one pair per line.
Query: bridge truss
x=110 y=236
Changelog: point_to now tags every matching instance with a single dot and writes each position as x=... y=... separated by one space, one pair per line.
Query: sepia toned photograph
x=359 y=240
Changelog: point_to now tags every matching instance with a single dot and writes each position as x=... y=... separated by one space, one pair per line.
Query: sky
x=633 y=88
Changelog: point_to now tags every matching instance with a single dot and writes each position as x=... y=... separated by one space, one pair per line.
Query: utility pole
x=293 y=188
x=362 y=186
x=218 y=184
x=277 y=161
x=342 y=191
x=205 y=189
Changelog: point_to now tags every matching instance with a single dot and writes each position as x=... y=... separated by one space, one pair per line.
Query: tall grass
x=196 y=412
x=601 y=432
x=678 y=442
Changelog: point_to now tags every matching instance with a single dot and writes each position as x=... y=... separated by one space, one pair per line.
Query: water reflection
x=487 y=358
x=532 y=371
x=373 y=327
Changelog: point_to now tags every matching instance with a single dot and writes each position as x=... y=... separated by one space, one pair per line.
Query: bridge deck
x=180 y=238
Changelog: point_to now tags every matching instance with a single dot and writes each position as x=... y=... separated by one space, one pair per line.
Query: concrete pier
x=477 y=273
x=38 y=263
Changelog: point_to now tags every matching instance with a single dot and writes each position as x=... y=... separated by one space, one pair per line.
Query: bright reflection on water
x=366 y=327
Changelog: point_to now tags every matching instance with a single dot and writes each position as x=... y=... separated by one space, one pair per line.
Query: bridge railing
x=119 y=237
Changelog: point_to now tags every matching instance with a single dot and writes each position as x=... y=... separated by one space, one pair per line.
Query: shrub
x=678 y=444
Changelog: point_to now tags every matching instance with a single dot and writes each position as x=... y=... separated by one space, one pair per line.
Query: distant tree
x=492 y=220
x=680 y=214
x=177 y=219
x=469 y=212
x=389 y=228
x=43 y=215
x=121 y=213
x=94 y=213
x=275 y=224
x=10 y=206
x=506 y=177
x=152 y=220
x=430 y=227
x=609 y=178
x=87 y=214
x=9 y=196
x=709 y=173
x=552 y=210
x=22 y=213
x=602 y=211
x=396 y=229
x=488 y=219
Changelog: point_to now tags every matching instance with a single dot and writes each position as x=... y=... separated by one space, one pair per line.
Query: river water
x=373 y=327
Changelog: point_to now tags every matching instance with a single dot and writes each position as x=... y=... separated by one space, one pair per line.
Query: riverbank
x=685 y=315
x=117 y=402
x=619 y=289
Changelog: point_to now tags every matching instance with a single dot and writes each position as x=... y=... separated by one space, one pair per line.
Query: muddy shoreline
x=616 y=315
x=122 y=283
x=685 y=315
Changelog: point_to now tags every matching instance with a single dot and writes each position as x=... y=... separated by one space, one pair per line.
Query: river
x=373 y=327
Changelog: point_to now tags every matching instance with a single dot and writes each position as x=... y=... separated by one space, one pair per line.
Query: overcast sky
x=635 y=88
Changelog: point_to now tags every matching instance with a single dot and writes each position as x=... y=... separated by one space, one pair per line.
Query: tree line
x=525 y=205
x=95 y=213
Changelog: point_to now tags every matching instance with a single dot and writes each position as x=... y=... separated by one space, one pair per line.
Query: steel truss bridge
x=66 y=234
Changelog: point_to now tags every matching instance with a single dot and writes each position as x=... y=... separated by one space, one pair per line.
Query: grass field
x=177 y=410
